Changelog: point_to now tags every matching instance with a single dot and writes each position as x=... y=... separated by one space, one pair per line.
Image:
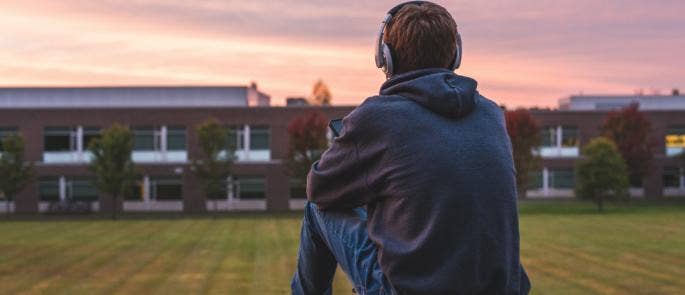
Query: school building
x=58 y=123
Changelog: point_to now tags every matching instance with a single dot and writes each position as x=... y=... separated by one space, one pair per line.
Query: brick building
x=58 y=124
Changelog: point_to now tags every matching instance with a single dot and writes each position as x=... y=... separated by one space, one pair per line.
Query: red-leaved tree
x=308 y=140
x=629 y=129
x=524 y=132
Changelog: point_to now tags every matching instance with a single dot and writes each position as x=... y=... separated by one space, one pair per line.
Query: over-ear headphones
x=384 y=52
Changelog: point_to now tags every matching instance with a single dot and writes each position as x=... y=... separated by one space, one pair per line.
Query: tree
x=524 y=132
x=321 y=96
x=212 y=168
x=15 y=172
x=629 y=129
x=112 y=163
x=307 y=135
x=601 y=173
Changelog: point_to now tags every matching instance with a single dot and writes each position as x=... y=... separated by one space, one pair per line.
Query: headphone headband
x=397 y=7
x=383 y=55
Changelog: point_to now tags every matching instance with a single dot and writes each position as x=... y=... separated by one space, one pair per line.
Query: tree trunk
x=7 y=206
x=114 y=207
x=600 y=204
x=216 y=208
x=522 y=194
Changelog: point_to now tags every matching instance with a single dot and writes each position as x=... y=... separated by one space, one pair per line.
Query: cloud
x=522 y=52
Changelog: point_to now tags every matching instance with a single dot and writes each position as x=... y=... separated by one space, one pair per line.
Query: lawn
x=566 y=247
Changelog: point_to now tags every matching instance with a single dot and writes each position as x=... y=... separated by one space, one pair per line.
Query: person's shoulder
x=374 y=115
x=488 y=108
x=485 y=102
x=376 y=107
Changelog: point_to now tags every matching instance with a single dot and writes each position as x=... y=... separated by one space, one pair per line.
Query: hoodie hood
x=439 y=90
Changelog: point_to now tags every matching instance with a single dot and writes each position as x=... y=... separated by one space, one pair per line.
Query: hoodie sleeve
x=339 y=179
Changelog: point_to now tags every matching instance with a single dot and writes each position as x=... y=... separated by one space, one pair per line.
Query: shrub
x=601 y=173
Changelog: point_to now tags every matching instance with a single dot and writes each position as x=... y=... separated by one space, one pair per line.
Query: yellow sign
x=675 y=141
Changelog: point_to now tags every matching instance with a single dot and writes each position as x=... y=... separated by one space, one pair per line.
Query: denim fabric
x=333 y=237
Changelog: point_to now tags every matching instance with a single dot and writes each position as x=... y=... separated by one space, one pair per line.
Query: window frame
x=265 y=131
x=241 y=181
x=71 y=133
x=167 y=181
x=176 y=130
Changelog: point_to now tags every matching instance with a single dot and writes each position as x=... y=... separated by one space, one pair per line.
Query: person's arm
x=339 y=179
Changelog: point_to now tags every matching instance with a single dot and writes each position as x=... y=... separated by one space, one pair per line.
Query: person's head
x=421 y=36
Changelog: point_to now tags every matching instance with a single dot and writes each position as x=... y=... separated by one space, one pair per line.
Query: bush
x=601 y=173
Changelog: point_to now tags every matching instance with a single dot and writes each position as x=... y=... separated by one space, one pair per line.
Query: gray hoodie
x=431 y=160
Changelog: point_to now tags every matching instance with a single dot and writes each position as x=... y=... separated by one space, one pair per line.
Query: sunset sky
x=523 y=52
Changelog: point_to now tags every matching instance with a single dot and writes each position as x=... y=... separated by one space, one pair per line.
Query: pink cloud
x=523 y=53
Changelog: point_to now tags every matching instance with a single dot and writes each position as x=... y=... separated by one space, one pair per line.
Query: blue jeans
x=329 y=238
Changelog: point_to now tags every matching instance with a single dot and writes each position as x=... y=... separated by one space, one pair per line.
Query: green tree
x=212 y=168
x=112 y=163
x=601 y=173
x=15 y=172
x=307 y=141
x=524 y=132
x=321 y=95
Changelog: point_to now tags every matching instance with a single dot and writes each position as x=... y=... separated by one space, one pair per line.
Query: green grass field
x=566 y=247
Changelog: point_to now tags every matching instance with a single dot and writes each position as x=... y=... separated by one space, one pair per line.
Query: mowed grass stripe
x=33 y=248
x=218 y=252
x=566 y=248
x=632 y=272
x=588 y=285
x=89 y=274
x=169 y=246
x=547 y=280
x=42 y=259
x=234 y=273
x=191 y=267
x=621 y=281
x=74 y=271
x=127 y=264
x=19 y=236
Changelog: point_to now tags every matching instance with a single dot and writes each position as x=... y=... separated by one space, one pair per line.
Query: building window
x=176 y=138
x=5 y=132
x=561 y=178
x=250 y=187
x=671 y=177
x=160 y=144
x=259 y=138
x=236 y=137
x=60 y=139
x=48 y=188
x=146 y=138
x=535 y=180
x=549 y=136
x=560 y=142
x=569 y=136
x=89 y=135
x=222 y=194
x=81 y=189
x=166 y=188
x=136 y=191
x=298 y=189
x=675 y=140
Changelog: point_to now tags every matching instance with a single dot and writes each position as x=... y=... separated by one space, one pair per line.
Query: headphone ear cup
x=458 y=53
x=389 y=67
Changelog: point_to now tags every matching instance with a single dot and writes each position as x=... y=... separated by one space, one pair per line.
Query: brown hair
x=421 y=36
